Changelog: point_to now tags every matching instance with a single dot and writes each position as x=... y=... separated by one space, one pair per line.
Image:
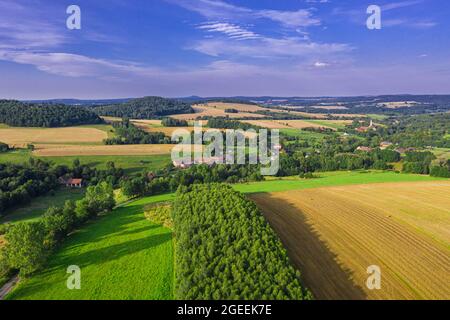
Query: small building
x=71 y=183
x=181 y=164
x=385 y=144
x=364 y=149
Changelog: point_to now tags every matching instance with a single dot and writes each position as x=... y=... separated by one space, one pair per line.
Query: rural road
x=8 y=286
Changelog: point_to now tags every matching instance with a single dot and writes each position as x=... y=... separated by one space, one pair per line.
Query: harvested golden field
x=295 y=124
x=103 y=150
x=23 y=136
x=238 y=106
x=330 y=107
x=147 y=122
x=203 y=110
x=333 y=234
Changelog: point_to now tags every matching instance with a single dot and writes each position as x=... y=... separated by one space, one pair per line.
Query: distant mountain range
x=273 y=100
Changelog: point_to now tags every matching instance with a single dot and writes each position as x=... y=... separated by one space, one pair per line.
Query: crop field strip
x=23 y=136
x=104 y=150
x=333 y=234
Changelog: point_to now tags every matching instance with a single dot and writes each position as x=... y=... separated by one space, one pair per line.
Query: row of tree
x=29 y=244
x=226 y=249
x=168 y=179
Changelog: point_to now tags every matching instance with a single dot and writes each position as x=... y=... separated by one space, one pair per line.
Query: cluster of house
x=186 y=164
x=384 y=145
x=365 y=129
x=210 y=161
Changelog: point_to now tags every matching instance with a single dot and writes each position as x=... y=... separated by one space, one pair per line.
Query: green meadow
x=37 y=207
x=328 y=179
x=131 y=164
x=122 y=256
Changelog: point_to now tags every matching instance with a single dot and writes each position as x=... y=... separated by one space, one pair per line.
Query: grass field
x=131 y=164
x=39 y=205
x=333 y=234
x=334 y=124
x=331 y=179
x=122 y=256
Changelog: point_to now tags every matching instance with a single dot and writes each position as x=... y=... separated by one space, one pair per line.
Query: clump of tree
x=442 y=170
x=418 y=162
x=20 y=183
x=231 y=110
x=4 y=147
x=171 y=122
x=28 y=244
x=127 y=133
x=169 y=179
x=227 y=250
x=225 y=123
x=19 y=114
x=144 y=108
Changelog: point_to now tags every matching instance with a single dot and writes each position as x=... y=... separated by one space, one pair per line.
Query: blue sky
x=173 y=48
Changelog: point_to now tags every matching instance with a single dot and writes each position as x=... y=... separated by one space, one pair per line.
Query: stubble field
x=333 y=234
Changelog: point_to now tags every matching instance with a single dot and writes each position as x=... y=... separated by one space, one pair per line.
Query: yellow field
x=203 y=110
x=333 y=234
x=330 y=107
x=294 y=124
x=21 y=136
x=101 y=150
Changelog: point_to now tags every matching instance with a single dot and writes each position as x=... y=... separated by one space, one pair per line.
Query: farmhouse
x=71 y=183
x=364 y=149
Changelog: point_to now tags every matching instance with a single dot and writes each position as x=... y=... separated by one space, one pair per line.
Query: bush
x=438 y=171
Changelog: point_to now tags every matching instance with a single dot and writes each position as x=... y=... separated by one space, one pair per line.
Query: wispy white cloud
x=400 y=4
x=319 y=64
x=271 y=48
x=217 y=9
x=232 y=31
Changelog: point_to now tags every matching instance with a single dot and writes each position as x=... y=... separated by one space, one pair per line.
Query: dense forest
x=227 y=250
x=19 y=114
x=128 y=133
x=144 y=108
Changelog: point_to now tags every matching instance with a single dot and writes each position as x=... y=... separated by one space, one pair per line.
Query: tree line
x=144 y=108
x=226 y=249
x=19 y=114
x=29 y=244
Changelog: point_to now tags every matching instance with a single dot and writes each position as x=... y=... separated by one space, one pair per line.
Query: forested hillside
x=227 y=250
x=19 y=114
x=144 y=108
